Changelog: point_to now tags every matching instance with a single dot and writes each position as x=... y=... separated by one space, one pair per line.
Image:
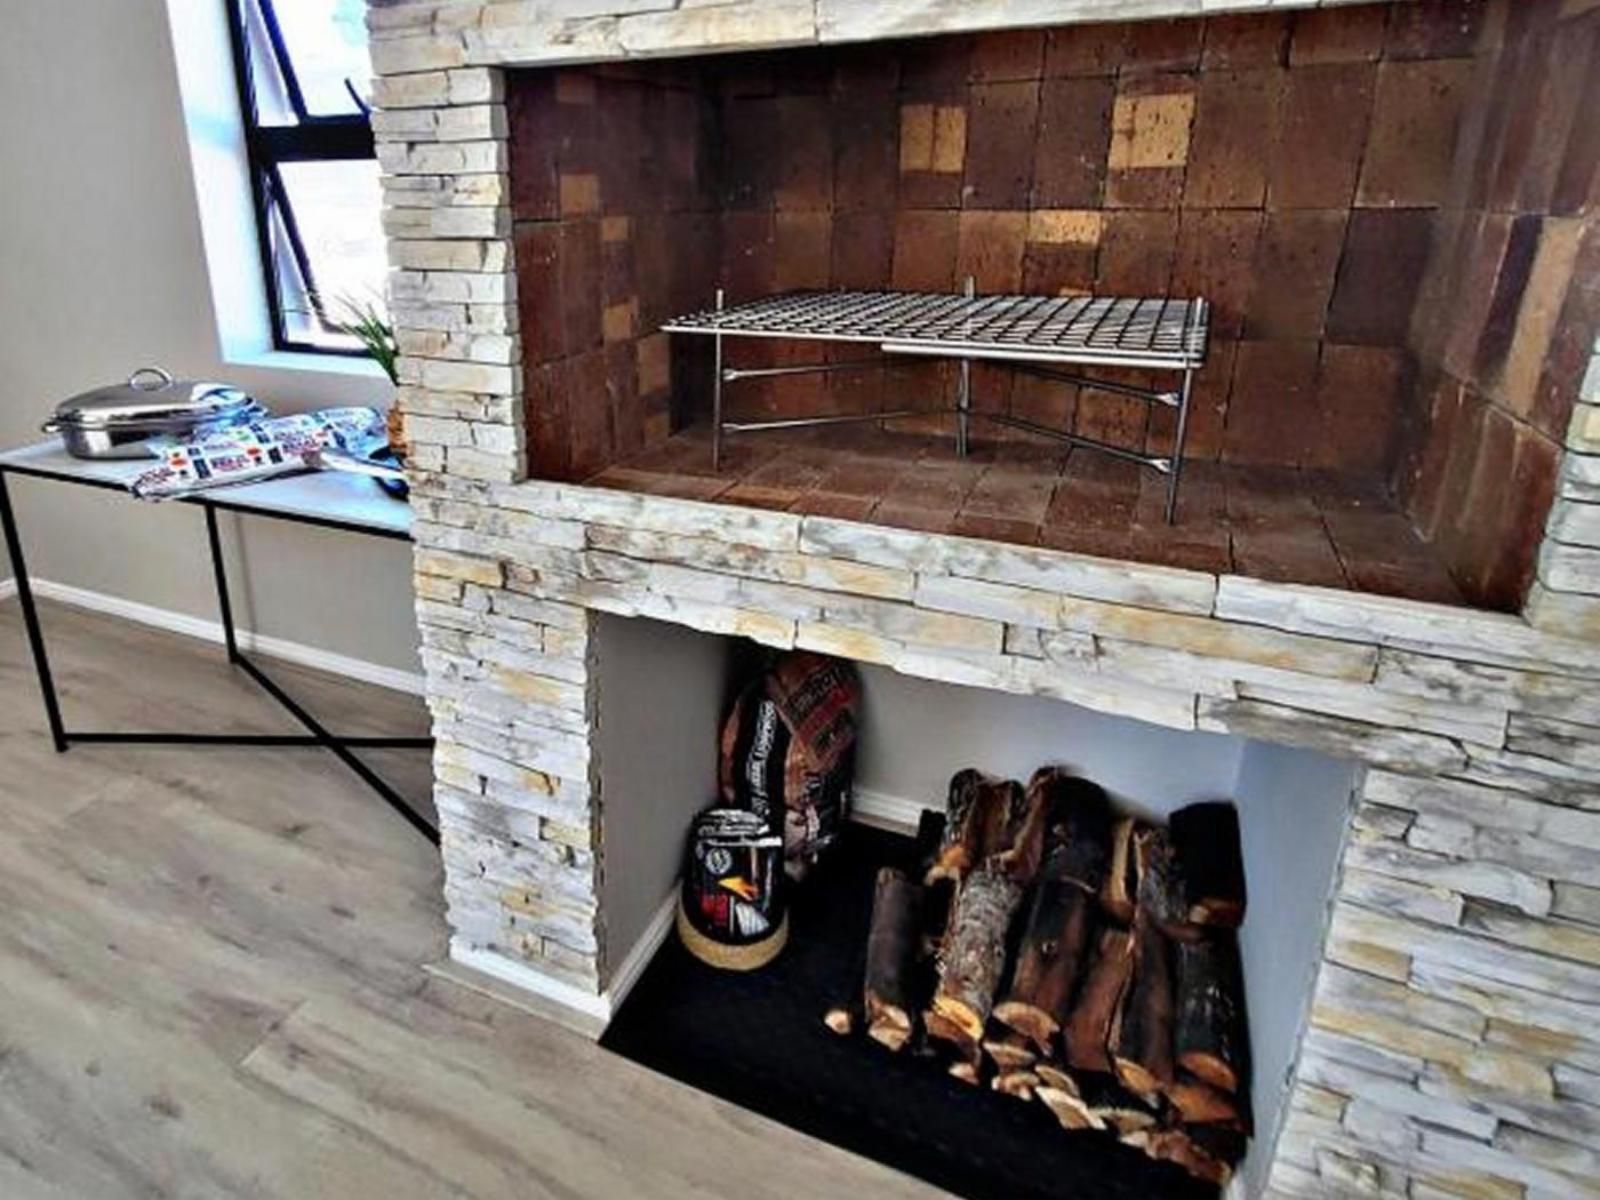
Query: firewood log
x=930 y=836
x=1088 y=1030
x=1115 y=1105
x=841 y=1018
x=974 y=953
x=1011 y=1052
x=1209 y=1038
x=1141 y=1035
x=1075 y=848
x=1205 y=838
x=1198 y=1103
x=1177 y=1146
x=964 y=1071
x=1161 y=897
x=1065 y=819
x=1078 y=841
x=1050 y=961
x=1015 y=1083
x=1052 y=1075
x=979 y=821
x=952 y=1037
x=958 y=844
x=892 y=945
x=1118 y=893
x=1125 y=1119
x=1222 y=1142
x=1007 y=810
x=936 y=894
x=1069 y=1108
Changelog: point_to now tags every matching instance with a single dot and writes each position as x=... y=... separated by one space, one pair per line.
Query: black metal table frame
x=343 y=746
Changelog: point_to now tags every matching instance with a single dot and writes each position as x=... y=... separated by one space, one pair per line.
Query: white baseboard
x=884 y=811
x=410 y=682
x=644 y=949
x=597 y=1006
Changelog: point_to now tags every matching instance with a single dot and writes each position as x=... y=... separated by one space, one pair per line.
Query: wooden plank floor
x=211 y=977
x=1281 y=524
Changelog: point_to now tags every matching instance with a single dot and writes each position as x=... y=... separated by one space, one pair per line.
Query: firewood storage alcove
x=759 y=1038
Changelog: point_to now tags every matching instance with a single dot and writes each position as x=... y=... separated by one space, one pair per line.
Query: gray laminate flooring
x=211 y=977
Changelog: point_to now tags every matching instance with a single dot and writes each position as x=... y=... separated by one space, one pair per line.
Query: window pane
x=336 y=208
x=272 y=99
x=326 y=41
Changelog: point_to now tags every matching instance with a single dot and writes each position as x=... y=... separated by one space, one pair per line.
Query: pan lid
x=151 y=394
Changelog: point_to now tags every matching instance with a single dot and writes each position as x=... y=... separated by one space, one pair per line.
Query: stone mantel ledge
x=438 y=35
x=1416 y=686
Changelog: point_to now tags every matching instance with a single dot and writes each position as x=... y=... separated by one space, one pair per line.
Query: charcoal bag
x=788 y=751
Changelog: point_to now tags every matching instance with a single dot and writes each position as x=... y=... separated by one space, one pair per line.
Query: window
x=303 y=77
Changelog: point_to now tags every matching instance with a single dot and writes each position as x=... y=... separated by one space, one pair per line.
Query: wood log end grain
x=958 y=1014
x=1020 y=1084
x=1198 y=1103
x=1038 y=1026
x=892 y=1033
x=941 y=1029
x=1211 y=1071
x=1068 y=1108
x=1176 y=1146
x=1012 y=1052
x=1052 y=1075
x=1125 y=1119
x=841 y=1019
x=965 y=1072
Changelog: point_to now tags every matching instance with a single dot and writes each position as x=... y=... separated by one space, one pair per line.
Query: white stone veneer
x=1454 y=1047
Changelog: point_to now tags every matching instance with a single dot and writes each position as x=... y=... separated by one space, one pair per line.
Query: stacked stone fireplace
x=1422 y=303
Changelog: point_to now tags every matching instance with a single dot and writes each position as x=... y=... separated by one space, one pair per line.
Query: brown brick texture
x=1376 y=199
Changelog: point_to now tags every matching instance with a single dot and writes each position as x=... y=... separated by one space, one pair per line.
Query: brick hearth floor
x=1272 y=523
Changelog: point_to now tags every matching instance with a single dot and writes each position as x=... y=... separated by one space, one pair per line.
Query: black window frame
x=340 y=137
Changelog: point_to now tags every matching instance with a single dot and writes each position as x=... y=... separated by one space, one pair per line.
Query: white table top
x=335 y=496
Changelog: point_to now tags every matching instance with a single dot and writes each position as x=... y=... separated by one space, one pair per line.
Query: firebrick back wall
x=1290 y=167
x=1287 y=166
x=1511 y=306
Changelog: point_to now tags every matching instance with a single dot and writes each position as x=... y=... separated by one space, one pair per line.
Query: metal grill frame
x=1038 y=335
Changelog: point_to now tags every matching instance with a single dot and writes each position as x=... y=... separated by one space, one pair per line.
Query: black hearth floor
x=758 y=1040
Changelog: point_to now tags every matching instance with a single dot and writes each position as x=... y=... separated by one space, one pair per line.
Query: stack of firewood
x=1081 y=960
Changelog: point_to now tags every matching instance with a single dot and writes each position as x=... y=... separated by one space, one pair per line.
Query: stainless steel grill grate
x=1166 y=333
x=1040 y=335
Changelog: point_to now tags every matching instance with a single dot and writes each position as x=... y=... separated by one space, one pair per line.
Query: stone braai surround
x=1454 y=1038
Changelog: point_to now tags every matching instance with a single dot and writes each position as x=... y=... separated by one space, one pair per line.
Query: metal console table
x=326 y=501
x=1036 y=334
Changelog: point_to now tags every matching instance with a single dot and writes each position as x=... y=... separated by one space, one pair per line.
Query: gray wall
x=660 y=705
x=915 y=734
x=102 y=270
x=1294 y=814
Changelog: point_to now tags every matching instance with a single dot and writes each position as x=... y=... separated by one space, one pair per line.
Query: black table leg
x=220 y=574
x=339 y=746
x=30 y=619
